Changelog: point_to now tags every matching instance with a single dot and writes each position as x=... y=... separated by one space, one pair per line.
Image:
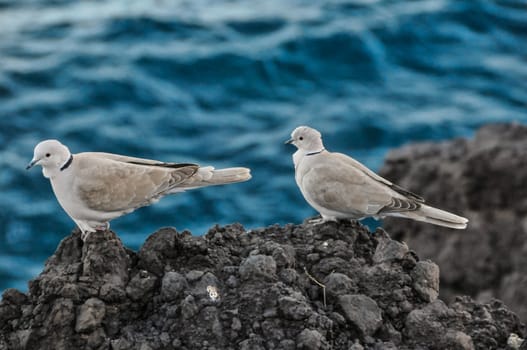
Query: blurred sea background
x=223 y=83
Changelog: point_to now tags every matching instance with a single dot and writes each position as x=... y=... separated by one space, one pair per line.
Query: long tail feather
x=436 y=216
x=208 y=176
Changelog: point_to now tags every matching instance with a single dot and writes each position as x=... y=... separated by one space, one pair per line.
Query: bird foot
x=320 y=221
x=84 y=235
x=103 y=227
x=99 y=228
x=315 y=221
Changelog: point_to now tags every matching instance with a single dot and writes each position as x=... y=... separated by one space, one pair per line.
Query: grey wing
x=373 y=175
x=107 y=185
x=341 y=186
x=399 y=205
x=135 y=160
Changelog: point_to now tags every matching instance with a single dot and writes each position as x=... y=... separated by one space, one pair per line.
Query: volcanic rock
x=484 y=179
x=328 y=286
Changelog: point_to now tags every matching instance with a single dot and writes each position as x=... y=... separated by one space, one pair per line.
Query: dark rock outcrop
x=484 y=179
x=329 y=286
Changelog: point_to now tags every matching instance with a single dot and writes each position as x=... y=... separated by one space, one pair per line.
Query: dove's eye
x=48 y=155
x=300 y=138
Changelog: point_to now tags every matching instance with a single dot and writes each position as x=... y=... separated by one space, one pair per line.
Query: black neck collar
x=316 y=152
x=68 y=163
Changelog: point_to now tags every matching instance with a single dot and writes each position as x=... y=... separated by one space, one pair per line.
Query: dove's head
x=52 y=155
x=306 y=139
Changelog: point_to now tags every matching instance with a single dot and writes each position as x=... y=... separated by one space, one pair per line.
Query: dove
x=340 y=187
x=94 y=188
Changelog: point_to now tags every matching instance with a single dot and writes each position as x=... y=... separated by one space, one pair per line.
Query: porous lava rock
x=484 y=179
x=329 y=286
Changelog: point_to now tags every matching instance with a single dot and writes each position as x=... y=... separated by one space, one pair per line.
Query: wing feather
x=398 y=205
x=106 y=184
x=379 y=178
x=342 y=184
x=339 y=186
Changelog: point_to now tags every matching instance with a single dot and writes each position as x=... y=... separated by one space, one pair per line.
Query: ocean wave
x=224 y=83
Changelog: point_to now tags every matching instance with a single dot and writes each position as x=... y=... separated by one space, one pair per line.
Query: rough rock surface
x=484 y=179
x=328 y=286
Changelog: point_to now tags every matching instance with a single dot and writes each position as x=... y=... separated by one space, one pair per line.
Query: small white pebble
x=213 y=293
x=514 y=341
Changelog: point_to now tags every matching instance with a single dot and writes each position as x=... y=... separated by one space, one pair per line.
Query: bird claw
x=315 y=221
x=100 y=228
x=84 y=235
x=320 y=220
x=103 y=227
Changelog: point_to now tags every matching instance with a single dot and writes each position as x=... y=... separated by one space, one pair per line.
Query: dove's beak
x=290 y=141
x=32 y=163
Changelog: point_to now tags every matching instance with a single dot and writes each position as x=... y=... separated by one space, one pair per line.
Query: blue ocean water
x=223 y=83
